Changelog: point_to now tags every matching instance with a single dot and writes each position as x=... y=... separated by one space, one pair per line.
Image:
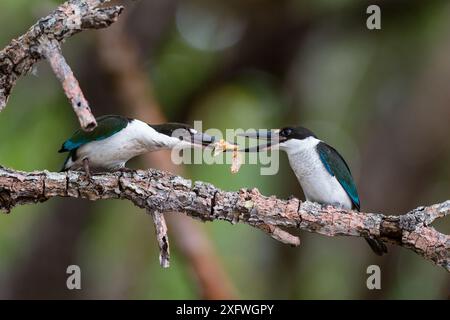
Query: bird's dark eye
x=286 y=132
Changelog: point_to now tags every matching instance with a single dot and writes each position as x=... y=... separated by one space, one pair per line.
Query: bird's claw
x=87 y=170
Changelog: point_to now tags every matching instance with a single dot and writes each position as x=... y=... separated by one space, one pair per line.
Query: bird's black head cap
x=298 y=133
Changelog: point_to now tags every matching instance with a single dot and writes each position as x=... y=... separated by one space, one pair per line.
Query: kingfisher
x=117 y=139
x=321 y=171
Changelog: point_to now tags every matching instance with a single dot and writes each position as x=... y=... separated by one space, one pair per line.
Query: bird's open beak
x=271 y=136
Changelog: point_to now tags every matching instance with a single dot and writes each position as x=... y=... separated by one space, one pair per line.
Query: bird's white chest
x=317 y=183
x=113 y=152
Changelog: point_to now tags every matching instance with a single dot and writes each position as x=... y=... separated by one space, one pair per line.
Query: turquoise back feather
x=337 y=167
x=106 y=127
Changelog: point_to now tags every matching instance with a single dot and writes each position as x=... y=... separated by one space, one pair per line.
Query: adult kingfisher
x=117 y=139
x=321 y=171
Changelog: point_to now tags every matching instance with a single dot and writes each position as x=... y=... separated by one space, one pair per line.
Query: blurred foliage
x=344 y=82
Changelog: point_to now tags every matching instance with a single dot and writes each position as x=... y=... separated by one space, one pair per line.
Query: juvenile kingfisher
x=321 y=171
x=117 y=139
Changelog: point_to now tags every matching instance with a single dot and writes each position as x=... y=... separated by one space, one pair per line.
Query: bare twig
x=42 y=40
x=279 y=234
x=162 y=238
x=163 y=192
x=51 y=50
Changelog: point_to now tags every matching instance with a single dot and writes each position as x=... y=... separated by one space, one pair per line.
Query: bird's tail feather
x=377 y=246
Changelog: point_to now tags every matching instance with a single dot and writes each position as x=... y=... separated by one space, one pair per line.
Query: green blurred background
x=380 y=97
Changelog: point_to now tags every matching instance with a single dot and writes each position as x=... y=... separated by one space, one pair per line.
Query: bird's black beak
x=271 y=136
x=202 y=139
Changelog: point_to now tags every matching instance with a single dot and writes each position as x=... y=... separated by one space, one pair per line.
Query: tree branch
x=159 y=191
x=51 y=50
x=43 y=40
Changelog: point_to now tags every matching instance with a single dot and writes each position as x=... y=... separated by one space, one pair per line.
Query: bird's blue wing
x=106 y=127
x=336 y=166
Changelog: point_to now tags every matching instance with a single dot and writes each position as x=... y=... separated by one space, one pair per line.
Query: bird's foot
x=87 y=169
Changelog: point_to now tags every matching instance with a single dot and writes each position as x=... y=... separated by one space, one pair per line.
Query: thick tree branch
x=159 y=191
x=42 y=41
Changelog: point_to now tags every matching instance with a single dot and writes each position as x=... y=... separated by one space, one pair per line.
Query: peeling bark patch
x=390 y=229
x=213 y=202
x=5 y=201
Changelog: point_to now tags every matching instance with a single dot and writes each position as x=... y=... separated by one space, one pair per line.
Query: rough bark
x=161 y=237
x=43 y=40
x=163 y=192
